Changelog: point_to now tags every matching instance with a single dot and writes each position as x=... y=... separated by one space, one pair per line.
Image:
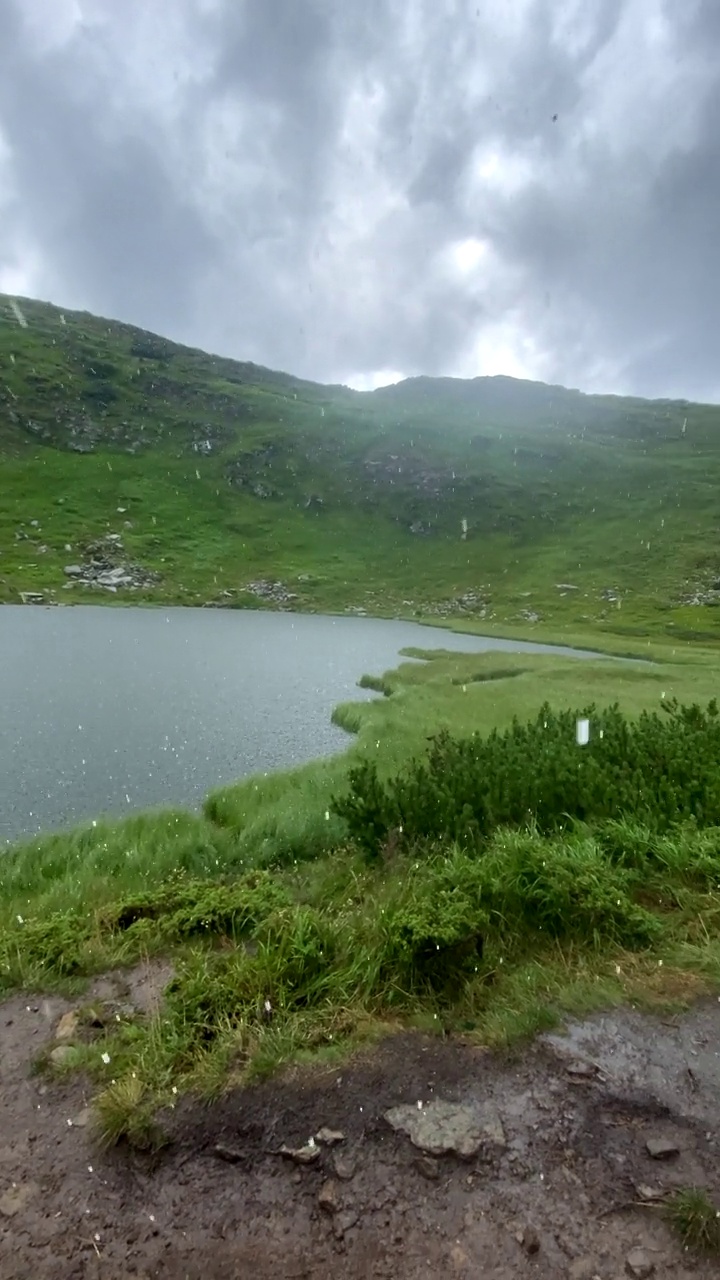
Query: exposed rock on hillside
x=273 y=592
x=104 y=566
x=704 y=590
x=475 y=602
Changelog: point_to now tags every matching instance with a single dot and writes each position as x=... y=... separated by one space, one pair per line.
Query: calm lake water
x=106 y=710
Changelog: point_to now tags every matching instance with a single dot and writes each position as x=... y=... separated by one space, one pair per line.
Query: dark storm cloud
x=439 y=186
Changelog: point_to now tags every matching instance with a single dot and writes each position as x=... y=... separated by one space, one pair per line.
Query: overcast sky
x=358 y=190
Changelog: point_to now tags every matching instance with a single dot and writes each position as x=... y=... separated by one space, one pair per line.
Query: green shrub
x=299 y=952
x=686 y=852
x=190 y=908
x=210 y=991
x=432 y=942
x=695 y=1219
x=55 y=945
x=290 y=963
x=564 y=889
x=659 y=769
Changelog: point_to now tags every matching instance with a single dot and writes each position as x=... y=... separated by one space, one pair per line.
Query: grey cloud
x=294 y=200
x=113 y=228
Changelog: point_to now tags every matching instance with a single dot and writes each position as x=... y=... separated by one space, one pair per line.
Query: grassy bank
x=491 y=929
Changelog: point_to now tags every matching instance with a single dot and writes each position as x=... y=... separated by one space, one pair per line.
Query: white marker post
x=582 y=732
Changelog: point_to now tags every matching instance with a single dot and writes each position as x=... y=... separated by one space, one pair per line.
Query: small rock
x=429 y=1168
x=344 y=1167
x=639 y=1264
x=67 y=1026
x=329 y=1137
x=82 y=1119
x=447 y=1127
x=581 y=1070
x=328 y=1199
x=662 y=1148
x=301 y=1155
x=61 y=1054
x=73 y=571
x=530 y=1240
x=649 y=1194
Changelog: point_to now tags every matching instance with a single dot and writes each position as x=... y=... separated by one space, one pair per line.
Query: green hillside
x=166 y=474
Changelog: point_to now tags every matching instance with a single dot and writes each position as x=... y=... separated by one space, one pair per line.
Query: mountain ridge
x=406 y=499
x=267 y=372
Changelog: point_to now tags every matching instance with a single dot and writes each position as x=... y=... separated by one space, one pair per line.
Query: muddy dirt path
x=548 y=1172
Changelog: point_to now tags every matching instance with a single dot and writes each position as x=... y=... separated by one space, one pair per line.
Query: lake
x=108 y=710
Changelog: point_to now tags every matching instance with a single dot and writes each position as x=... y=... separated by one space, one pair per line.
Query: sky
x=362 y=190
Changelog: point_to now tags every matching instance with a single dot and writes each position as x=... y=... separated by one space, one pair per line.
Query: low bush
x=658 y=769
x=188 y=908
x=695 y=1219
x=563 y=888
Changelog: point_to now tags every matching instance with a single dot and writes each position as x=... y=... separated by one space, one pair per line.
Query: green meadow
x=465 y=866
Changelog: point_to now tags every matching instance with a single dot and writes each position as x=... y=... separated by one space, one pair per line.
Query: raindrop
x=15 y=308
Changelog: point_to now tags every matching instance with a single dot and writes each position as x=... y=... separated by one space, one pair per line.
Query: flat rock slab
x=662 y=1148
x=639 y=1265
x=443 y=1128
x=67 y=1026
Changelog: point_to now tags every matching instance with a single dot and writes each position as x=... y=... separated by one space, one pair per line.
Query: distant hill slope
x=221 y=481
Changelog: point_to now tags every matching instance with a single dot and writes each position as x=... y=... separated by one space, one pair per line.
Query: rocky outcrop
x=273 y=592
x=474 y=602
x=250 y=471
x=410 y=471
x=705 y=590
x=105 y=567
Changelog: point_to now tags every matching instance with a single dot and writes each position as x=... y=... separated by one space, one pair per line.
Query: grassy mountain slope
x=217 y=474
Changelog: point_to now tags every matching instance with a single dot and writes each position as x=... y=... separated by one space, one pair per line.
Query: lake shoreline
x=196 y=698
x=597 y=639
x=277 y=939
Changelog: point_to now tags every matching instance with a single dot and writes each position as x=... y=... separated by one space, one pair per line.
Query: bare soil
x=559 y=1195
